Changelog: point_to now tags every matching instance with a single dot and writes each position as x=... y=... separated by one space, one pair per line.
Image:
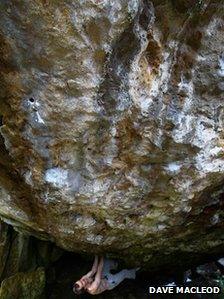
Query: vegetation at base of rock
x=29 y=285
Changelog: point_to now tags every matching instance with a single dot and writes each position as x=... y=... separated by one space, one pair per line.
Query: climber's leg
x=108 y=266
x=115 y=279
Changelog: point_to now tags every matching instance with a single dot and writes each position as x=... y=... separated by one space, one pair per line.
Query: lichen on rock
x=24 y=285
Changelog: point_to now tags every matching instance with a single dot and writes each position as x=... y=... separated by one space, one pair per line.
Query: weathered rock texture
x=24 y=286
x=112 y=125
x=23 y=263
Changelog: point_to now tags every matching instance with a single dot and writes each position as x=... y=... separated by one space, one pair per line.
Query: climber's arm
x=93 y=271
x=95 y=284
x=87 y=278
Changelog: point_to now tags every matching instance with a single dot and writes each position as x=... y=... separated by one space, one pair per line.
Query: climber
x=99 y=279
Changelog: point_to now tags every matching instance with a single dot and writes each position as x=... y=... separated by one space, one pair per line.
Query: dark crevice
x=10 y=242
x=63 y=268
x=70 y=267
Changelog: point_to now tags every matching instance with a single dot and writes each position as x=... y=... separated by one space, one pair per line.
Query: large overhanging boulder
x=112 y=126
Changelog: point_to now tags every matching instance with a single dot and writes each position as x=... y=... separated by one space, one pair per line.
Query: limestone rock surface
x=112 y=119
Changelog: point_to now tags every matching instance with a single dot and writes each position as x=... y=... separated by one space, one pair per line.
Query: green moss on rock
x=28 y=285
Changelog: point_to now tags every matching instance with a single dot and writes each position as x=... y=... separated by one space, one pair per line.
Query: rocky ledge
x=112 y=120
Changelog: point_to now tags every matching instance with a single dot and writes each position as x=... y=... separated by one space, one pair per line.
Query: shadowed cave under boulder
x=35 y=269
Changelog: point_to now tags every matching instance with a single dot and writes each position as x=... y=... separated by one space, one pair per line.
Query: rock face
x=23 y=263
x=24 y=285
x=112 y=121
